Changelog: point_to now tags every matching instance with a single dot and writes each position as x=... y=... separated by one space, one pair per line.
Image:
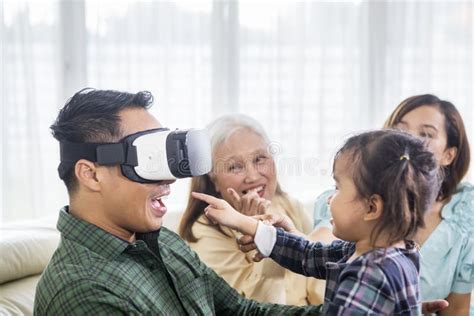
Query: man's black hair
x=92 y=116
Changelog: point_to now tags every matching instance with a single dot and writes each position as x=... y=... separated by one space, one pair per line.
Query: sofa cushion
x=17 y=297
x=25 y=250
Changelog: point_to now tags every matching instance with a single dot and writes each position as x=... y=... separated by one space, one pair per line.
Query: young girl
x=385 y=181
x=446 y=242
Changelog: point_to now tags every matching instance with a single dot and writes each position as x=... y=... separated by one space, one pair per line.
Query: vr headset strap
x=102 y=153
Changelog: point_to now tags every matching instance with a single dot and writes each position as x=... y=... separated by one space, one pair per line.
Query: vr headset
x=148 y=156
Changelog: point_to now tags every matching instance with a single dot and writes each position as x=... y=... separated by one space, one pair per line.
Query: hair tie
x=404 y=157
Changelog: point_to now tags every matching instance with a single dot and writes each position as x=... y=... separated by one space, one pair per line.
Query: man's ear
x=86 y=174
x=375 y=208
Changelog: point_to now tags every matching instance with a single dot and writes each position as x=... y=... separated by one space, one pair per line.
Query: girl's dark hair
x=93 y=116
x=399 y=168
x=456 y=137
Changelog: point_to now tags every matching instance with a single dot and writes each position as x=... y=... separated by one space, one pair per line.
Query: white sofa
x=25 y=250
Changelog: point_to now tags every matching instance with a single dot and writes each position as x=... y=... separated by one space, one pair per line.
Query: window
x=313 y=72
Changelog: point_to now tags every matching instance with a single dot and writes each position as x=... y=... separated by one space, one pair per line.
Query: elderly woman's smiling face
x=243 y=163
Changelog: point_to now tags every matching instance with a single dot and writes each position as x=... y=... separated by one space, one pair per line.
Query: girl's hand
x=246 y=244
x=250 y=203
x=282 y=221
x=219 y=211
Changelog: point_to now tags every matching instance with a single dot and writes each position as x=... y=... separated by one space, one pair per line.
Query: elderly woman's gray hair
x=225 y=126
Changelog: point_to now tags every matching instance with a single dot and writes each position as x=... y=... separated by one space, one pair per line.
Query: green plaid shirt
x=93 y=272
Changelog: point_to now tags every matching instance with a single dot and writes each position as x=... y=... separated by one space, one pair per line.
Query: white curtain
x=311 y=71
x=315 y=71
x=30 y=100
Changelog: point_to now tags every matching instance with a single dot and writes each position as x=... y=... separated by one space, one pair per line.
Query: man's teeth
x=165 y=197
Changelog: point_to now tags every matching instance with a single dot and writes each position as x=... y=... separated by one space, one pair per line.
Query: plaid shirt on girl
x=380 y=282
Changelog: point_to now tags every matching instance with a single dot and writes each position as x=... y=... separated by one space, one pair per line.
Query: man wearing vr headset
x=114 y=257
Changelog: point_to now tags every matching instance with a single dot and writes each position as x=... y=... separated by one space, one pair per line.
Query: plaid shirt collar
x=93 y=237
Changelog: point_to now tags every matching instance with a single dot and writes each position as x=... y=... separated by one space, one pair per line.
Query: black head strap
x=102 y=153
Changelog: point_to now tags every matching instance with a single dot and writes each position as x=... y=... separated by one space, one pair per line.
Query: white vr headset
x=148 y=156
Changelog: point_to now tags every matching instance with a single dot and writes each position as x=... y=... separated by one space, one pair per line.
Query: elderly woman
x=447 y=244
x=243 y=166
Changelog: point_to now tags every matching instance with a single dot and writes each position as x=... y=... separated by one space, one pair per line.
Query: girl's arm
x=290 y=251
x=302 y=256
x=219 y=211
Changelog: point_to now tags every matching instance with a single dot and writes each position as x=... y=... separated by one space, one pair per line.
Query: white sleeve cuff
x=265 y=238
